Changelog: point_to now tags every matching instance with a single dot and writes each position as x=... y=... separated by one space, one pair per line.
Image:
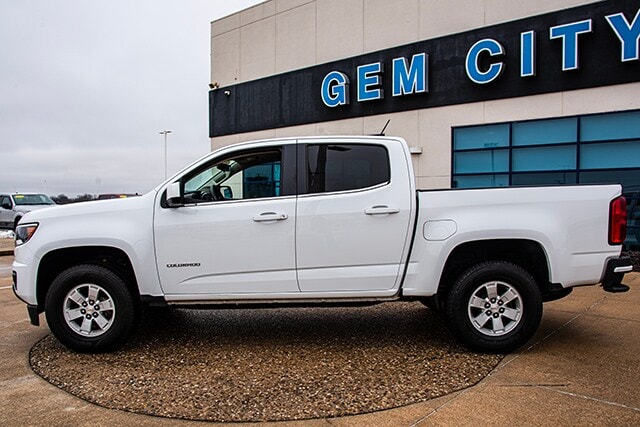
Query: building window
x=602 y=148
x=261 y=180
x=593 y=149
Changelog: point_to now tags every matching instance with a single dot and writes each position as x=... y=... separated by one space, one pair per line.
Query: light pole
x=165 y=132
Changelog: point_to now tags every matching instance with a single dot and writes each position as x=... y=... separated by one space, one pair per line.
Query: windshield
x=32 y=199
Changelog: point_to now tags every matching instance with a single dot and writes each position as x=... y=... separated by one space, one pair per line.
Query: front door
x=235 y=234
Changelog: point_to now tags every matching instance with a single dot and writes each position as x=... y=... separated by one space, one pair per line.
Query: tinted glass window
x=481 y=181
x=479 y=137
x=544 y=132
x=544 y=178
x=610 y=155
x=630 y=178
x=544 y=158
x=481 y=161
x=607 y=127
x=341 y=167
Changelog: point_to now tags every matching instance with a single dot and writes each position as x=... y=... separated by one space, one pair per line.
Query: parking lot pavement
x=581 y=368
x=5 y=267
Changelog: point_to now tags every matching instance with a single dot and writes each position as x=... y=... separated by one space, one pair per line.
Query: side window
x=342 y=167
x=5 y=202
x=245 y=175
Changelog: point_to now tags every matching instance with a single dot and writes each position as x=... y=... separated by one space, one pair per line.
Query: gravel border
x=271 y=364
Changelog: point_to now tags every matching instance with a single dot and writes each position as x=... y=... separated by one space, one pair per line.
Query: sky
x=86 y=86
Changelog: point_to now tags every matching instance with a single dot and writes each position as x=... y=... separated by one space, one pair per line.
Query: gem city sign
x=412 y=76
x=588 y=46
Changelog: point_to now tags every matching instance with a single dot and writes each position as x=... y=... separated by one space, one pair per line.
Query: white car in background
x=14 y=206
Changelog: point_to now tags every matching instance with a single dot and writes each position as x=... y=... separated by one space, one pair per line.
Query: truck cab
x=322 y=217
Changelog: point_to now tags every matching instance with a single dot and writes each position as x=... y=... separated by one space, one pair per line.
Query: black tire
x=90 y=309
x=494 y=307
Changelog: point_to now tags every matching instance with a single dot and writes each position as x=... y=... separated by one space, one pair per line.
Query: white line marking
x=606 y=402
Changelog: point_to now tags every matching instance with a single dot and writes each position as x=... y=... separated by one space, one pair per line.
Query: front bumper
x=614 y=273
x=24 y=282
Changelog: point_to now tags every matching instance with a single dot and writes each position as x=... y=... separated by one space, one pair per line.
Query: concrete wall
x=283 y=35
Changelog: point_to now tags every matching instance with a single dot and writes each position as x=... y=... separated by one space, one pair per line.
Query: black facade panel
x=293 y=98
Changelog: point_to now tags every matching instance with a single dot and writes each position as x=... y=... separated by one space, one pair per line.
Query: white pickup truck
x=318 y=220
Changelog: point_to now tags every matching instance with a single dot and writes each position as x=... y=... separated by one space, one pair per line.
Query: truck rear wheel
x=90 y=309
x=494 y=307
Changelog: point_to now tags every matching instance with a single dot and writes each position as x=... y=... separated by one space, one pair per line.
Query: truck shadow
x=383 y=323
x=250 y=365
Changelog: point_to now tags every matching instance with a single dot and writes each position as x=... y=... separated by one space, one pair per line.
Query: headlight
x=24 y=232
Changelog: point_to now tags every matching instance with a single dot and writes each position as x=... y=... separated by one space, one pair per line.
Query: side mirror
x=6 y=205
x=174 y=196
x=226 y=191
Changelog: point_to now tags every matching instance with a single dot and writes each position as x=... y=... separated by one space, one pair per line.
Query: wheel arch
x=528 y=254
x=55 y=262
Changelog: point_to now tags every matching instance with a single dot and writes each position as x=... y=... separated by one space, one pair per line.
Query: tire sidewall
x=463 y=289
x=122 y=322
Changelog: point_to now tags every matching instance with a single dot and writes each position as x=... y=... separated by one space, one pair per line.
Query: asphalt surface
x=581 y=368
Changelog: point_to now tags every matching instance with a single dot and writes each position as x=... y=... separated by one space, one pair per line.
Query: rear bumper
x=615 y=271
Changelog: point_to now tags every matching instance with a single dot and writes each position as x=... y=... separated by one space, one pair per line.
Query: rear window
x=343 y=167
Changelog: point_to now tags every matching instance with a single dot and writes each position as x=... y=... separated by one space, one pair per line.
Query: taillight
x=618 y=221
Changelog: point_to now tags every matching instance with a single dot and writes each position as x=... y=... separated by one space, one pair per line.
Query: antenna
x=384 y=128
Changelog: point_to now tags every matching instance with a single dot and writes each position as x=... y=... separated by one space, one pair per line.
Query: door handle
x=381 y=210
x=270 y=216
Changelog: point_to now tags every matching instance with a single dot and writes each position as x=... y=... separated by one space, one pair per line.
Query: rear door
x=353 y=215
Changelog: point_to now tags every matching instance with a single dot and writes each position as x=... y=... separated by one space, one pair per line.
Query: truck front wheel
x=90 y=309
x=494 y=307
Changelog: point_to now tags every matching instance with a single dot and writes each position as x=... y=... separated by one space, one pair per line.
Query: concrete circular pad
x=270 y=364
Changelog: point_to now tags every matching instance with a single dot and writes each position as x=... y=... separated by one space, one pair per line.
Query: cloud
x=86 y=86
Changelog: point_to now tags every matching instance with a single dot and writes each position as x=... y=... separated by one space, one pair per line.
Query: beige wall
x=283 y=35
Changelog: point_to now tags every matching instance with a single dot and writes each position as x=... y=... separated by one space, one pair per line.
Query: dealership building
x=486 y=92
